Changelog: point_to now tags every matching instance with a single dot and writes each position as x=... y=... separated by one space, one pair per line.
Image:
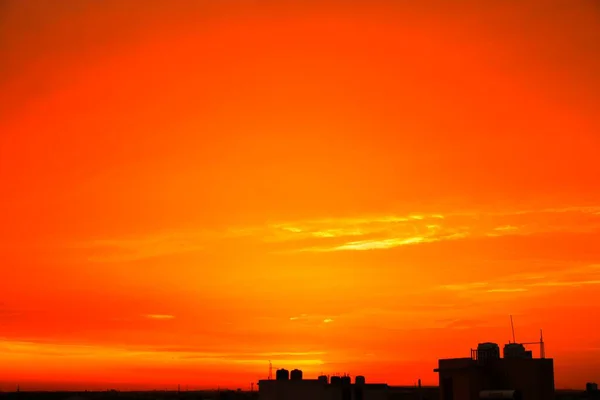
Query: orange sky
x=189 y=190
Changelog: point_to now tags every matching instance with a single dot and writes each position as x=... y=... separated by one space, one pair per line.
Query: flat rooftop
x=317 y=382
x=468 y=362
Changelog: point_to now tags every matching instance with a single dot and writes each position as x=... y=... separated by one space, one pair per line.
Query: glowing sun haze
x=189 y=190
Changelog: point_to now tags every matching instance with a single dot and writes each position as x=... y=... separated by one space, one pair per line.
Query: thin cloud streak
x=18 y=349
x=367 y=233
x=572 y=283
x=160 y=316
x=131 y=249
x=417 y=229
x=567 y=277
x=380 y=244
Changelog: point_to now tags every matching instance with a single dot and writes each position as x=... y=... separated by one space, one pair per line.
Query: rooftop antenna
x=541 y=344
x=512 y=326
x=270 y=370
x=542 y=347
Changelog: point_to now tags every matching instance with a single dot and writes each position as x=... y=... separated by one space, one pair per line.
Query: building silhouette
x=293 y=386
x=591 y=391
x=518 y=375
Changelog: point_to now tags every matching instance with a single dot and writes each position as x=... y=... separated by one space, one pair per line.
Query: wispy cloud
x=568 y=283
x=159 y=316
x=300 y=317
x=567 y=277
x=506 y=228
x=465 y=286
x=405 y=233
x=145 y=246
x=387 y=232
x=294 y=354
x=503 y=230
x=376 y=244
x=312 y=319
x=14 y=349
x=355 y=234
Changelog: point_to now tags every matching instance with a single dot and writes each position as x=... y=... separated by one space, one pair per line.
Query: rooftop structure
x=486 y=375
x=322 y=388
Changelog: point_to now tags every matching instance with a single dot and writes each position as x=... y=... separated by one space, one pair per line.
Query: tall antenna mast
x=512 y=326
x=541 y=344
x=270 y=370
x=542 y=349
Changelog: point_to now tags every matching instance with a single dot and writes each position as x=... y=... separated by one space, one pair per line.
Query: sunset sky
x=189 y=190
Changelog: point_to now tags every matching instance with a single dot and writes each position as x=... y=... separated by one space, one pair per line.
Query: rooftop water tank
x=282 y=375
x=346 y=380
x=359 y=380
x=336 y=380
x=323 y=379
x=514 y=350
x=296 y=375
x=488 y=351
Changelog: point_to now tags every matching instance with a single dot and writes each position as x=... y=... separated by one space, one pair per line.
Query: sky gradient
x=189 y=190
